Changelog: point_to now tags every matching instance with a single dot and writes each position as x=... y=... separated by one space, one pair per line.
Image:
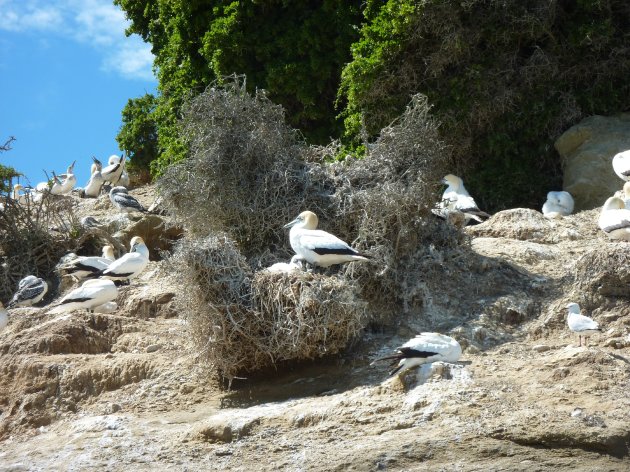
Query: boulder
x=587 y=150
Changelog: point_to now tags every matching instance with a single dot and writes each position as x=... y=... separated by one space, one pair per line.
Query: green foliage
x=293 y=49
x=506 y=78
x=138 y=134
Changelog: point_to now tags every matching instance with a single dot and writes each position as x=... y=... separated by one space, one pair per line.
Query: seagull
x=316 y=246
x=91 y=294
x=93 y=188
x=65 y=186
x=580 y=324
x=425 y=348
x=621 y=164
x=614 y=219
x=457 y=199
x=81 y=267
x=129 y=265
x=125 y=202
x=558 y=204
x=4 y=317
x=112 y=172
x=31 y=290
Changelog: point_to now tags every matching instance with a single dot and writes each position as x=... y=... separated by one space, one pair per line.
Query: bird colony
x=96 y=278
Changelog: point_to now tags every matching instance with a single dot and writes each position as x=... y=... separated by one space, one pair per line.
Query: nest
x=243 y=324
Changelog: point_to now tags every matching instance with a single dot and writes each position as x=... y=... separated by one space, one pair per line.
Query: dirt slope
x=122 y=391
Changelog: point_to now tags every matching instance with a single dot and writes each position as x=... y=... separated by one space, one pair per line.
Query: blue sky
x=66 y=72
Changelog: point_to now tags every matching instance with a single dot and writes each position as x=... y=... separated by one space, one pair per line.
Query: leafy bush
x=505 y=78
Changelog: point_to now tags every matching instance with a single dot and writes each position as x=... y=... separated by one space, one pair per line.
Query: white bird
x=285 y=267
x=614 y=219
x=621 y=164
x=580 y=324
x=66 y=185
x=316 y=246
x=22 y=199
x=108 y=307
x=124 y=176
x=558 y=204
x=31 y=290
x=425 y=348
x=125 y=202
x=88 y=296
x=625 y=195
x=457 y=199
x=112 y=172
x=93 y=188
x=83 y=266
x=129 y=265
x=4 y=317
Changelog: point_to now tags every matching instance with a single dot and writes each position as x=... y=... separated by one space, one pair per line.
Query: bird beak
x=288 y=225
x=73 y=163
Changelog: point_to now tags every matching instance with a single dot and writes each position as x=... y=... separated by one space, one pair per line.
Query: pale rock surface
x=587 y=150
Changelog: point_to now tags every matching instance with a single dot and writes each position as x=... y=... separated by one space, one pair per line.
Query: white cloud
x=97 y=23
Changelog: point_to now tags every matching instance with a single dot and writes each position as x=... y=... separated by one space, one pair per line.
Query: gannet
x=124 y=176
x=31 y=290
x=125 y=202
x=614 y=219
x=456 y=198
x=580 y=324
x=316 y=246
x=129 y=265
x=625 y=195
x=91 y=294
x=425 y=348
x=558 y=204
x=4 y=317
x=81 y=267
x=21 y=199
x=285 y=267
x=66 y=185
x=93 y=188
x=621 y=164
x=112 y=172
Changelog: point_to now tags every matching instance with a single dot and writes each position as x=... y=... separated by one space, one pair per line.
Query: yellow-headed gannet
x=621 y=165
x=112 y=172
x=614 y=219
x=22 y=199
x=558 y=204
x=93 y=188
x=31 y=290
x=580 y=324
x=457 y=199
x=425 y=348
x=4 y=317
x=129 y=265
x=125 y=202
x=66 y=185
x=83 y=266
x=316 y=246
x=123 y=180
x=91 y=294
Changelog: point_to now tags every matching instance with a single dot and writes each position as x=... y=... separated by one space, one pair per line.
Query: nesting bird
x=457 y=199
x=91 y=294
x=31 y=290
x=621 y=165
x=112 y=172
x=80 y=267
x=580 y=324
x=614 y=219
x=65 y=186
x=425 y=348
x=316 y=246
x=93 y=188
x=129 y=265
x=125 y=202
x=4 y=317
x=558 y=204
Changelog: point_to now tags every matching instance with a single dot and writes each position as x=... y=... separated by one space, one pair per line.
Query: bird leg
x=580 y=338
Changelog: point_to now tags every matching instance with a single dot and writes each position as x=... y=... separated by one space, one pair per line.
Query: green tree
x=7 y=174
x=294 y=49
x=138 y=133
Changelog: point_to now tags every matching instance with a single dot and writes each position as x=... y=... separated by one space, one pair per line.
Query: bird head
x=108 y=252
x=452 y=180
x=306 y=220
x=614 y=203
x=573 y=308
x=135 y=242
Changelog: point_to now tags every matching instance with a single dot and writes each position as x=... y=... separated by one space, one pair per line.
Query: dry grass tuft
x=243 y=324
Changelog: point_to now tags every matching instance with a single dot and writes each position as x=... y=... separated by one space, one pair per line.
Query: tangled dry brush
x=248 y=173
